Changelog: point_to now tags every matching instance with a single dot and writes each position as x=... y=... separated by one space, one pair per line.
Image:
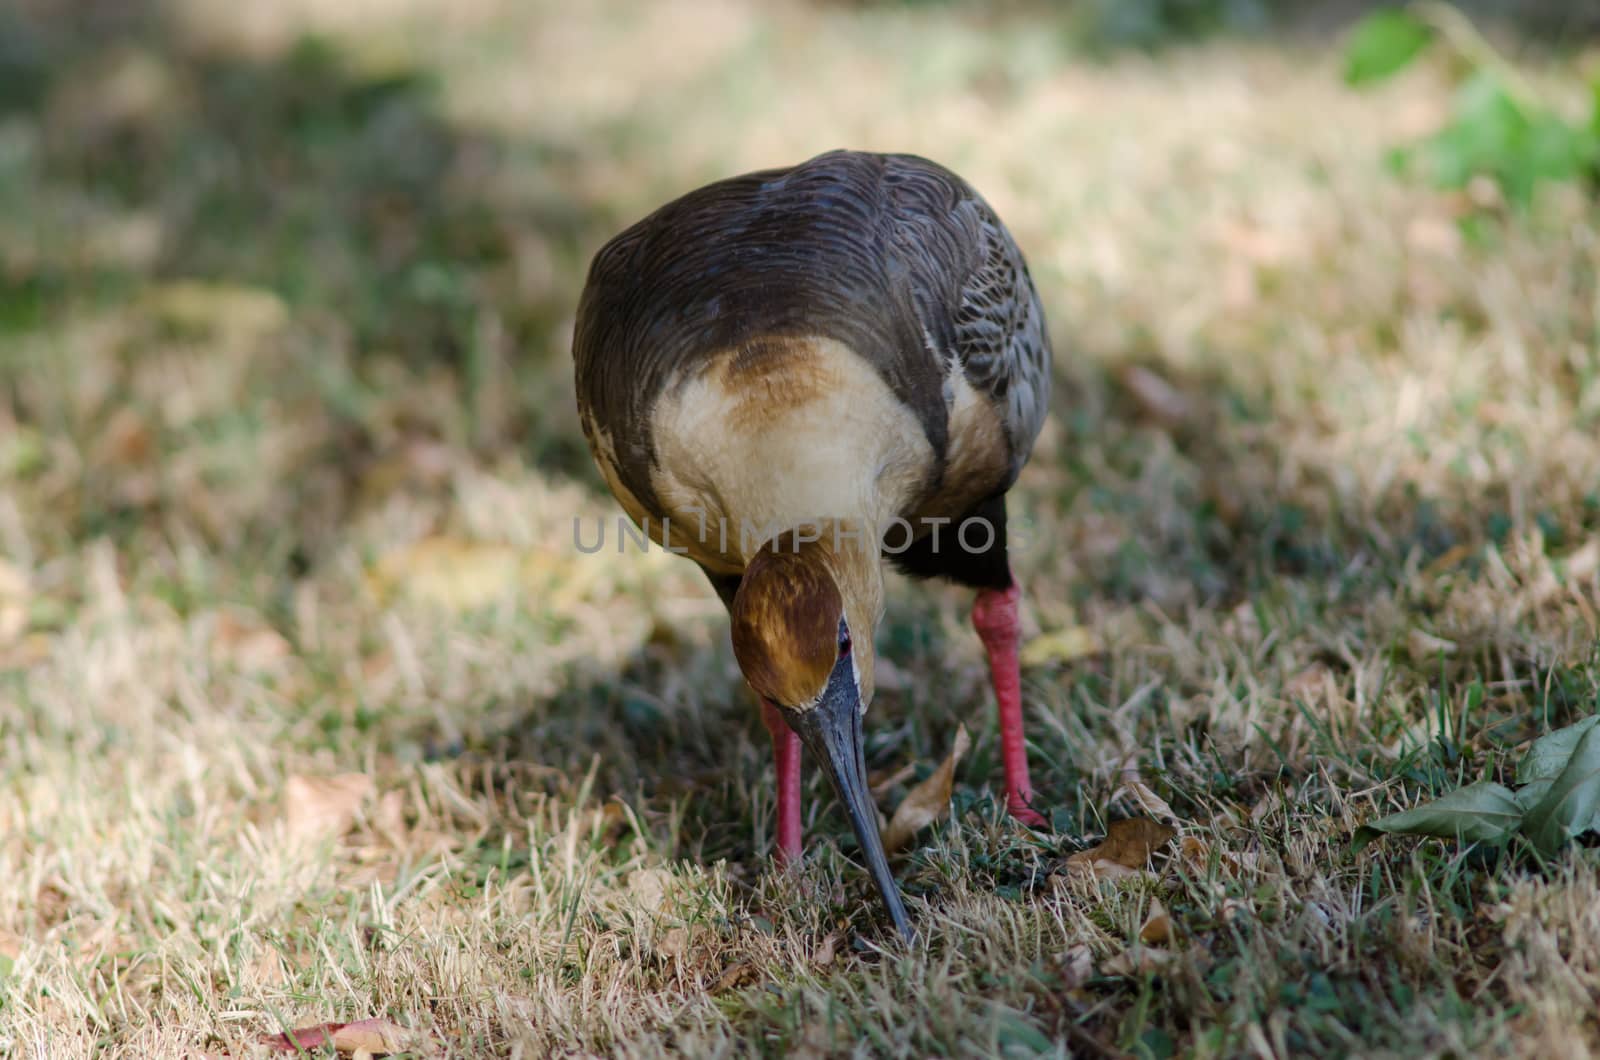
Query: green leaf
x=1484 y=812
x=1486 y=134
x=1530 y=795
x=1382 y=44
x=1549 y=754
x=1572 y=805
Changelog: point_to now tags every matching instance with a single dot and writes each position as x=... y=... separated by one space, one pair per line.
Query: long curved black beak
x=832 y=732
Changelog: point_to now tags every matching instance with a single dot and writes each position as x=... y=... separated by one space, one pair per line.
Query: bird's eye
x=844 y=643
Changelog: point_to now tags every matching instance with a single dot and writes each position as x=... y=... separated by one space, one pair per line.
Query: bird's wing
x=974 y=296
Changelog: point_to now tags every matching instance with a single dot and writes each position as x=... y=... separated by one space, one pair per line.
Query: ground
x=310 y=710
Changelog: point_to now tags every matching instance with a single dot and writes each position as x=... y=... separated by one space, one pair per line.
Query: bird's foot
x=1021 y=812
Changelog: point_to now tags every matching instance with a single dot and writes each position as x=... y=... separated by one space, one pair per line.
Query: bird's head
x=803 y=624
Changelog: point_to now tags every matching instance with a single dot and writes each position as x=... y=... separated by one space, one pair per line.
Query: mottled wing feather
x=1001 y=336
x=974 y=294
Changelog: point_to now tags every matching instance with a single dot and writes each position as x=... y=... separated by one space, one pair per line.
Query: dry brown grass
x=289 y=471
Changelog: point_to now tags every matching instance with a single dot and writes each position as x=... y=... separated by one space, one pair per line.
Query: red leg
x=994 y=615
x=786 y=759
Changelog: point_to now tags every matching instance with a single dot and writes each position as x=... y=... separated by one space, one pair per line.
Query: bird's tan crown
x=786 y=621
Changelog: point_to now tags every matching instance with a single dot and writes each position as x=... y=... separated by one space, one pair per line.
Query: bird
x=796 y=377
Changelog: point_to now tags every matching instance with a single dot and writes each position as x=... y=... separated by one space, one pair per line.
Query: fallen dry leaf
x=928 y=801
x=1125 y=851
x=374 y=1036
x=825 y=950
x=1064 y=645
x=319 y=808
x=1157 y=928
x=1196 y=853
x=1140 y=960
x=1095 y=870
x=1146 y=799
x=737 y=975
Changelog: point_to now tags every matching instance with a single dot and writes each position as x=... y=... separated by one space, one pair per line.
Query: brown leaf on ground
x=1126 y=849
x=1140 y=960
x=1157 y=928
x=826 y=950
x=928 y=801
x=1145 y=798
x=1197 y=853
x=1096 y=870
x=319 y=808
x=377 y=1037
x=735 y=976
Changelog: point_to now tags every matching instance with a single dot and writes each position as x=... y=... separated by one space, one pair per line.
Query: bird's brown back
x=892 y=256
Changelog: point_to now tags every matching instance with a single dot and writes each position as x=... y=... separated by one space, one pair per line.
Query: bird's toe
x=1026 y=814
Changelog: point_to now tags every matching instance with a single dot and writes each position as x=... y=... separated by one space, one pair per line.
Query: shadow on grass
x=144 y=156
